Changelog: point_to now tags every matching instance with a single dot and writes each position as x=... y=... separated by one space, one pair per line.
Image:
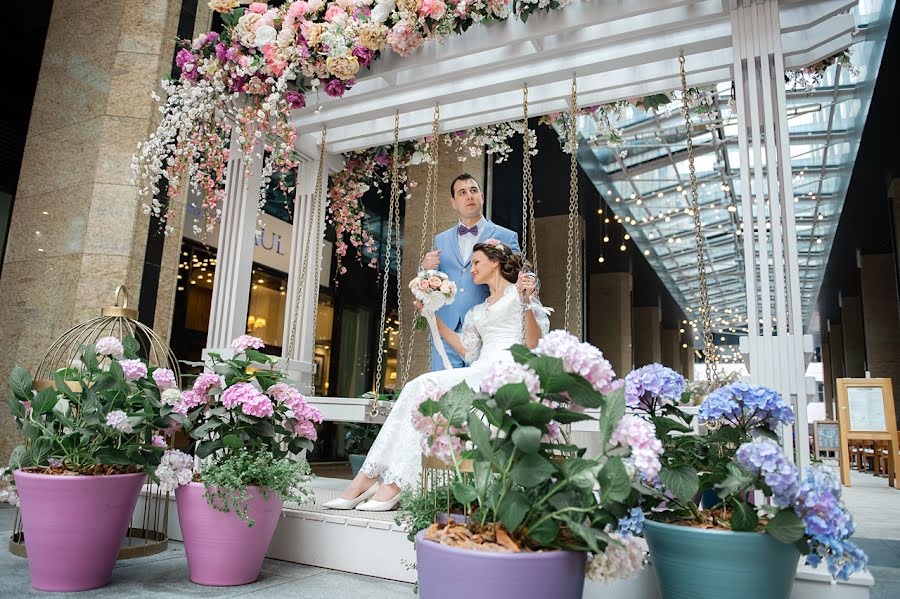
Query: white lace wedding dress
x=488 y=332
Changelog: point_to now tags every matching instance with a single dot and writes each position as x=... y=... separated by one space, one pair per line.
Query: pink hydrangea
x=118 y=420
x=158 y=441
x=579 y=358
x=437 y=439
x=305 y=415
x=505 y=373
x=164 y=378
x=109 y=346
x=403 y=37
x=245 y=342
x=434 y=9
x=236 y=394
x=206 y=381
x=306 y=429
x=640 y=435
x=189 y=400
x=257 y=405
x=134 y=370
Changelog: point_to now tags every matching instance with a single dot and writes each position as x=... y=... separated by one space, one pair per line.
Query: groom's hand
x=432 y=260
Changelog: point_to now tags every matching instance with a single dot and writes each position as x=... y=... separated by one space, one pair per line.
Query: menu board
x=827 y=435
x=866 y=407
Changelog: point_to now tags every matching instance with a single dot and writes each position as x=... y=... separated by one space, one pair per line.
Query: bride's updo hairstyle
x=511 y=263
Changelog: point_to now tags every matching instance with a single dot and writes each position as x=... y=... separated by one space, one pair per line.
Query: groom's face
x=467 y=199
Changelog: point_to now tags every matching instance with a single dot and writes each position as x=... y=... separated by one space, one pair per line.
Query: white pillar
x=775 y=343
x=234 y=255
x=305 y=225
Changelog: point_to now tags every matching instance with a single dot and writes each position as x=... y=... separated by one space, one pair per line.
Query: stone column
x=854 y=339
x=670 y=349
x=611 y=319
x=647 y=325
x=553 y=239
x=836 y=335
x=77 y=230
x=880 y=316
x=687 y=361
x=827 y=378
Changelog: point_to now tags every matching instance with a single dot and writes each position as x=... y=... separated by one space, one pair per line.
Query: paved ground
x=875 y=506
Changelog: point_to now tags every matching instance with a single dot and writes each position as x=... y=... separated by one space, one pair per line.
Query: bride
x=490 y=328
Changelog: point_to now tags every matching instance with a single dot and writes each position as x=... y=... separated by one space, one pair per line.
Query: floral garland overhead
x=244 y=83
x=810 y=77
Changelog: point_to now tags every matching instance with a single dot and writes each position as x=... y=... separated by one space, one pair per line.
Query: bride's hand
x=420 y=306
x=526 y=286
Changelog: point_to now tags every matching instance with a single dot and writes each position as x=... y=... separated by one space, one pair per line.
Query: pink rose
x=433 y=8
x=435 y=282
x=423 y=284
x=333 y=12
x=445 y=287
x=298 y=9
x=258 y=7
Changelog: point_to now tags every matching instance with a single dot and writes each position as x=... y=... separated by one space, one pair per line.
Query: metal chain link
x=527 y=187
x=430 y=203
x=395 y=192
x=307 y=249
x=573 y=211
x=708 y=346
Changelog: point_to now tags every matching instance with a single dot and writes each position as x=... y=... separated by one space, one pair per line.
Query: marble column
x=610 y=324
x=880 y=316
x=77 y=230
x=827 y=378
x=647 y=325
x=854 y=339
x=670 y=349
x=687 y=361
x=553 y=239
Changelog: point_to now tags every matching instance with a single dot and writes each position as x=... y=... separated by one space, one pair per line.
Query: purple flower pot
x=222 y=550
x=74 y=525
x=450 y=573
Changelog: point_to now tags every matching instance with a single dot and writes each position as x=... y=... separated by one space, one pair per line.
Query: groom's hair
x=461 y=177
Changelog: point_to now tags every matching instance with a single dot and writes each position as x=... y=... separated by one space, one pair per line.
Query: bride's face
x=483 y=269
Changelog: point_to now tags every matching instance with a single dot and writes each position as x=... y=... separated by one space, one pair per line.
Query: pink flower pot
x=74 y=525
x=221 y=549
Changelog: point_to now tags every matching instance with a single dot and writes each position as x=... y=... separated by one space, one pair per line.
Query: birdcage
x=147 y=534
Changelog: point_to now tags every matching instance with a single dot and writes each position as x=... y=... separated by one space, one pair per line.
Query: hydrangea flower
x=164 y=378
x=624 y=557
x=109 y=346
x=764 y=458
x=206 y=381
x=158 y=441
x=188 y=400
x=506 y=373
x=252 y=402
x=245 y=342
x=653 y=386
x=438 y=438
x=170 y=396
x=632 y=524
x=134 y=370
x=640 y=435
x=746 y=406
x=578 y=358
x=175 y=469
x=118 y=420
x=305 y=415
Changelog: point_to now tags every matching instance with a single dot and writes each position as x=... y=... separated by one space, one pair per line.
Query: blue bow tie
x=462 y=230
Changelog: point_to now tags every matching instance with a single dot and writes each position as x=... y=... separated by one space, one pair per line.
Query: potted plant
x=748 y=545
x=537 y=506
x=359 y=439
x=247 y=427
x=92 y=434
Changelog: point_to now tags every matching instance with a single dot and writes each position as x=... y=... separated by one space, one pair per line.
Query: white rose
x=445 y=287
x=265 y=35
x=383 y=10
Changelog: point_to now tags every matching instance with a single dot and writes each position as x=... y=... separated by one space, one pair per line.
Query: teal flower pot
x=698 y=563
x=356 y=462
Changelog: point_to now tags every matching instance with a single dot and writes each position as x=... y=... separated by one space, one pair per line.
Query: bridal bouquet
x=435 y=290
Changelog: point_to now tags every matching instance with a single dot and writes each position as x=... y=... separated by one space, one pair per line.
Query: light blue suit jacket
x=468 y=294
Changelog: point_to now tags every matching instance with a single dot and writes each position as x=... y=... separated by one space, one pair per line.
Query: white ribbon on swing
x=436 y=338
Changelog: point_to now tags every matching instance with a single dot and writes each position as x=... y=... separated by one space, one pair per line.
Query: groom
x=453 y=256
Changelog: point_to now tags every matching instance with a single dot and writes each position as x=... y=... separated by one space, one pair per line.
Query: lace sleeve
x=471 y=339
x=541 y=314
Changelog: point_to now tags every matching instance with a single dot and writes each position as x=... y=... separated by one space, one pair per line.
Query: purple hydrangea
x=653 y=386
x=746 y=406
x=764 y=458
x=828 y=524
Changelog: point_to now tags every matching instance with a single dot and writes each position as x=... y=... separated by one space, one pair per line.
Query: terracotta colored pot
x=74 y=525
x=221 y=549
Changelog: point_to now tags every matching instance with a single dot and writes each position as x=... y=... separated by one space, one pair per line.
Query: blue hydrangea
x=652 y=386
x=632 y=524
x=747 y=406
x=764 y=458
x=828 y=524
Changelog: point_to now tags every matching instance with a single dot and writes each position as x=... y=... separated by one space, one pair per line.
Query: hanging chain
x=395 y=192
x=527 y=187
x=307 y=250
x=428 y=224
x=706 y=318
x=573 y=213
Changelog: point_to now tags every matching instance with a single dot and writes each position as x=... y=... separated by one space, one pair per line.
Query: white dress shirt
x=467 y=242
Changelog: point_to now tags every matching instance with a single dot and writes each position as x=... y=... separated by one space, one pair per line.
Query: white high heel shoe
x=380 y=506
x=349 y=504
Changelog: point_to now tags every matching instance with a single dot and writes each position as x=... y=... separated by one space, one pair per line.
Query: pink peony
x=134 y=370
x=433 y=9
x=505 y=373
x=333 y=12
x=164 y=378
x=403 y=38
x=109 y=346
x=298 y=9
x=640 y=435
x=245 y=342
x=295 y=99
x=258 y=7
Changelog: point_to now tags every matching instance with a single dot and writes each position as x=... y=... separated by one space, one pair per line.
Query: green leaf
x=263 y=428
x=463 y=493
x=89 y=359
x=111 y=455
x=17 y=457
x=581 y=474
x=546 y=367
x=664 y=425
x=766 y=432
x=481 y=436
x=533 y=414
x=513 y=509
x=20 y=382
x=132 y=348
x=16 y=407
x=521 y=354
x=62 y=387
x=564 y=416
x=786 y=527
x=298 y=444
x=743 y=516
x=232 y=442
x=40 y=450
x=682 y=481
x=206 y=428
x=527 y=439
x=457 y=403
x=544 y=533
x=207 y=448
x=511 y=396
x=489 y=408
x=582 y=393
x=585 y=533
x=257 y=356
x=612 y=411
x=483 y=475
x=421 y=324
x=615 y=484
x=531 y=471
x=44 y=401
